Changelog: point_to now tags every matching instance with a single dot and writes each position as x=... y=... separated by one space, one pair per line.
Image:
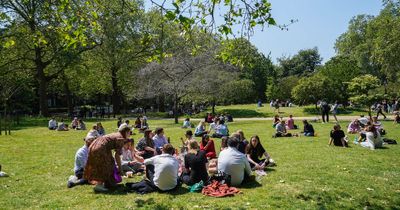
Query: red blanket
x=216 y=189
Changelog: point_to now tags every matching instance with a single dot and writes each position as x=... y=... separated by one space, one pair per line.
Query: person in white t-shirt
x=165 y=174
x=234 y=163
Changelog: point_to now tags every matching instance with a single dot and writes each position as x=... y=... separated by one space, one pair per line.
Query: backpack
x=221 y=177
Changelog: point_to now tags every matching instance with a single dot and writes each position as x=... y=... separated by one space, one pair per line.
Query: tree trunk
x=68 y=97
x=44 y=109
x=176 y=100
x=116 y=92
x=213 y=107
x=161 y=103
x=1 y=119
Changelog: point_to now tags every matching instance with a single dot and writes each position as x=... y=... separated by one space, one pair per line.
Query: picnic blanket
x=216 y=189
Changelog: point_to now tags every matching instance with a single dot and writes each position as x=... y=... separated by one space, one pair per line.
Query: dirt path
x=312 y=118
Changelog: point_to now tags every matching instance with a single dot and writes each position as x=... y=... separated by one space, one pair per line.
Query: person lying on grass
x=308 y=129
x=281 y=130
x=255 y=153
x=195 y=165
x=337 y=137
x=81 y=158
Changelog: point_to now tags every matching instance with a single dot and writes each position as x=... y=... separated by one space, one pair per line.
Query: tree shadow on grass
x=243 y=113
x=118 y=190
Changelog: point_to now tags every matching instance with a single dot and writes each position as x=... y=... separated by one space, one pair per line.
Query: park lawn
x=251 y=110
x=309 y=174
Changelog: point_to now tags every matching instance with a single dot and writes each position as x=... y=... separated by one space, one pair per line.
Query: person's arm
x=252 y=161
x=247 y=168
x=118 y=161
x=343 y=142
x=207 y=145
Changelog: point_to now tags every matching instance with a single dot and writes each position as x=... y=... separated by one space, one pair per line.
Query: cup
x=129 y=174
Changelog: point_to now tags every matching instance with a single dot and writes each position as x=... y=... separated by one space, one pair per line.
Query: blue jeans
x=309 y=134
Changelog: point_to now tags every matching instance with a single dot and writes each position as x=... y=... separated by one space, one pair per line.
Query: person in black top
x=337 y=137
x=195 y=165
x=255 y=151
x=243 y=142
x=119 y=122
x=325 y=108
x=308 y=129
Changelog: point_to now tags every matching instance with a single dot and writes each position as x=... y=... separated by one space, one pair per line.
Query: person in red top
x=207 y=145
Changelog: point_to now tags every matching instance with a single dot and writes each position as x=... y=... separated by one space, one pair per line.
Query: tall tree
x=41 y=31
x=305 y=62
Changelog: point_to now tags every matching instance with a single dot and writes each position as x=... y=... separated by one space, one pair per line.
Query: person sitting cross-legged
x=208 y=146
x=221 y=130
x=53 y=124
x=373 y=138
x=165 y=174
x=195 y=165
x=337 y=137
x=308 y=129
x=234 y=163
x=281 y=130
x=254 y=152
x=200 y=129
x=130 y=160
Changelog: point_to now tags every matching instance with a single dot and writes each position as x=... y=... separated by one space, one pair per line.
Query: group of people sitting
x=369 y=130
x=76 y=124
x=164 y=166
x=281 y=126
x=140 y=123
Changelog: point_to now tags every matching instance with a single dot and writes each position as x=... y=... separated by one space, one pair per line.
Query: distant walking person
x=379 y=108
x=325 y=111
x=334 y=110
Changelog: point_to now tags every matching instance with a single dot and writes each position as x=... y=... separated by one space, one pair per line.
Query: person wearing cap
x=101 y=163
x=234 y=163
x=81 y=157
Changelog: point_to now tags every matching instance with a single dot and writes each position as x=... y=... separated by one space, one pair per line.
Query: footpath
x=309 y=118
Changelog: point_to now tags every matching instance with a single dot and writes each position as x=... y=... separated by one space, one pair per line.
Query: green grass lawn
x=309 y=174
x=251 y=110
